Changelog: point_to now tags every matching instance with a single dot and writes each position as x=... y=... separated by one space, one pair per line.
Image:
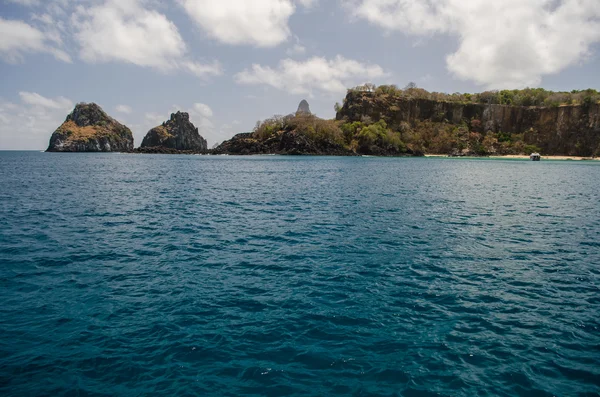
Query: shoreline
x=523 y=157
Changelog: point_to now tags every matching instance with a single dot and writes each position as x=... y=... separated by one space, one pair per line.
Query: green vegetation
x=380 y=120
x=318 y=130
x=359 y=137
x=377 y=138
x=524 y=97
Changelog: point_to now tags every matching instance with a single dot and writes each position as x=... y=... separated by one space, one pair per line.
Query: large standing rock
x=89 y=129
x=303 y=108
x=177 y=133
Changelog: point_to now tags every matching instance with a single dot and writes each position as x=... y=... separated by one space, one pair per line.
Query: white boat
x=535 y=157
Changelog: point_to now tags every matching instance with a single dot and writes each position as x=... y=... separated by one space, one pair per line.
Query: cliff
x=175 y=134
x=89 y=129
x=557 y=130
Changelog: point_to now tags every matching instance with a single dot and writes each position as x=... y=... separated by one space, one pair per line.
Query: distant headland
x=382 y=121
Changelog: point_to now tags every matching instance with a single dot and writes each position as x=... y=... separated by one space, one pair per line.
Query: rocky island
x=89 y=129
x=387 y=121
x=176 y=135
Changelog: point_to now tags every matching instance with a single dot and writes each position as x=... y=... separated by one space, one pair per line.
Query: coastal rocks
x=303 y=108
x=175 y=135
x=295 y=134
x=89 y=129
x=282 y=142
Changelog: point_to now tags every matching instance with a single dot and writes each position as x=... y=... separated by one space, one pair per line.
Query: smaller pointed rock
x=178 y=133
x=303 y=108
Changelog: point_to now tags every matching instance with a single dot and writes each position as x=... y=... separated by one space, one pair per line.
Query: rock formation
x=562 y=130
x=303 y=108
x=283 y=142
x=89 y=129
x=176 y=134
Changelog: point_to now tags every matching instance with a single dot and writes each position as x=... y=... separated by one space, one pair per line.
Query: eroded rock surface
x=89 y=129
x=177 y=133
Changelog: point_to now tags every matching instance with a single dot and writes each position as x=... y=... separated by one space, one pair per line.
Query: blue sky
x=230 y=63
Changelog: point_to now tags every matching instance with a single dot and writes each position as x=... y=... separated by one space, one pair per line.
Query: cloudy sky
x=230 y=63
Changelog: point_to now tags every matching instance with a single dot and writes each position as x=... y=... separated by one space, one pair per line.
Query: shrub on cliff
x=316 y=129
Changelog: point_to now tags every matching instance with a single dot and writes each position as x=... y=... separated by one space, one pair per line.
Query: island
x=388 y=121
x=176 y=135
x=89 y=129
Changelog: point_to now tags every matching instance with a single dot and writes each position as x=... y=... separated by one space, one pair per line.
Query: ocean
x=133 y=275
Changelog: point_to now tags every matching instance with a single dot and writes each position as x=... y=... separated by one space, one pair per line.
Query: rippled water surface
x=195 y=275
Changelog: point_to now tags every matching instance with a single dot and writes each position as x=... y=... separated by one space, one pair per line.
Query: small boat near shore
x=535 y=157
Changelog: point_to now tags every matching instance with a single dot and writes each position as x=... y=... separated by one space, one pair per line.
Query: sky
x=230 y=63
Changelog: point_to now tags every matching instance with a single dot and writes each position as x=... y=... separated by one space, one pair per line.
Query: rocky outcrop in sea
x=175 y=134
x=89 y=129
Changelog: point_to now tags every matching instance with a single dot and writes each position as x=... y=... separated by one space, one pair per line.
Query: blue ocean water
x=201 y=275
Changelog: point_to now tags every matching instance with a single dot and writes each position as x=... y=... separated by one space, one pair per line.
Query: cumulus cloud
x=124 y=109
x=35 y=99
x=263 y=23
x=126 y=31
x=28 y=124
x=18 y=38
x=203 y=70
x=302 y=77
x=203 y=110
x=502 y=44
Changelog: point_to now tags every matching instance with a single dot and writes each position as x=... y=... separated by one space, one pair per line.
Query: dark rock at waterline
x=282 y=142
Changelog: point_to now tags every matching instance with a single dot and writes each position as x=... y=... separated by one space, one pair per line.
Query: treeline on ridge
x=522 y=97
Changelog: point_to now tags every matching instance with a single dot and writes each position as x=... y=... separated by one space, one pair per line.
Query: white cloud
x=203 y=70
x=35 y=99
x=297 y=49
x=18 y=38
x=126 y=31
x=308 y=3
x=297 y=77
x=203 y=110
x=124 y=109
x=263 y=23
x=30 y=123
x=26 y=3
x=502 y=44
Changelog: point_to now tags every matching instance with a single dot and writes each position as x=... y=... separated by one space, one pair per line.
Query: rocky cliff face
x=178 y=133
x=89 y=129
x=564 y=130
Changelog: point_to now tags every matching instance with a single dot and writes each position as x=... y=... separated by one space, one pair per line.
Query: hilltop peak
x=303 y=107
